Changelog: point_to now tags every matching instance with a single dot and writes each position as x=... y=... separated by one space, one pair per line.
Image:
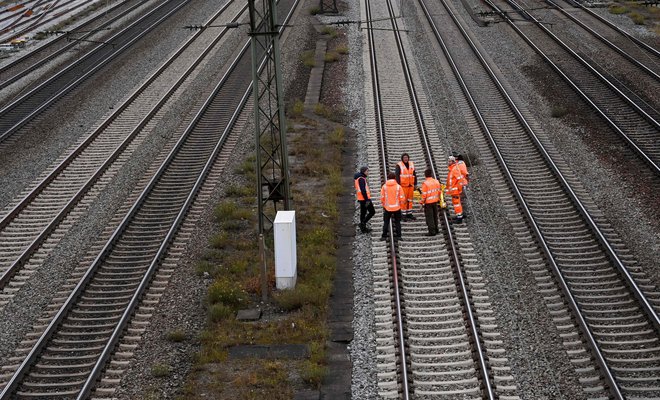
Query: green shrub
x=177 y=335
x=294 y=299
x=343 y=49
x=297 y=109
x=617 y=9
x=314 y=10
x=225 y=292
x=220 y=240
x=313 y=373
x=228 y=211
x=240 y=191
x=328 y=30
x=637 y=18
x=160 y=370
x=331 y=56
x=307 y=58
x=220 y=312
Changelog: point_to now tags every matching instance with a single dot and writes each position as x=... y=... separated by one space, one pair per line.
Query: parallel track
x=19 y=112
x=635 y=121
x=31 y=222
x=69 y=357
x=610 y=297
x=447 y=342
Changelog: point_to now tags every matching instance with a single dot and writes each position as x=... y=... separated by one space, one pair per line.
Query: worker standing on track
x=407 y=178
x=455 y=183
x=431 y=190
x=392 y=199
x=364 y=198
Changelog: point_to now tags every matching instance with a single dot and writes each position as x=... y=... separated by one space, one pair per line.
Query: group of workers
x=396 y=195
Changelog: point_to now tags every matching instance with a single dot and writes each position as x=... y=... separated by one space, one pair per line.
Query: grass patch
x=330 y=31
x=637 y=18
x=240 y=191
x=220 y=312
x=342 y=49
x=337 y=136
x=322 y=110
x=176 y=335
x=228 y=211
x=225 y=292
x=314 y=10
x=307 y=58
x=160 y=370
x=331 y=56
x=313 y=373
x=297 y=109
x=617 y=9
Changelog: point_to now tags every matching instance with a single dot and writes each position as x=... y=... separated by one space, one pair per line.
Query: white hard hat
x=451 y=159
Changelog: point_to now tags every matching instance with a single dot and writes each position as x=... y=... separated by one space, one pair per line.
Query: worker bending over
x=455 y=182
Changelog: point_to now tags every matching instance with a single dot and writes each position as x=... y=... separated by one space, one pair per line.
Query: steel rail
x=582 y=61
x=575 y=87
x=604 y=40
x=393 y=253
x=97 y=65
x=482 y=361
x=69 y=303
x=68 y=46
x=593 y=346
x=36 y=243
x=616 y=28
x=650 y=311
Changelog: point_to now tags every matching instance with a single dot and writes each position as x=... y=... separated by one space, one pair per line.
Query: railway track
x=88 y=30
x=447 y=342
x=67 y=359
x=614 y=342
x=20 y=111
x=61 y=193
x=634 y=120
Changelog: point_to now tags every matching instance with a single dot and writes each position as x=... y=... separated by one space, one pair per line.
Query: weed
x=247 y=167
x=204 y=266
x=342 y=49
x=297 y=109
x=637 y=18
x=219 y=312
x=328 y=30
x=307 y=58
x=314 y=10
x=320 y=109
x=225 y=292
x=331 y=56
x=303 y=294
x=617 y=9
x=177 y=335
x=220 y=240
x=228 y=211
x=313 y=373
x=160 y=370
x=240 y=191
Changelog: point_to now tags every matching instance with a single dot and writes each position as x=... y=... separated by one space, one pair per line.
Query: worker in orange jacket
x=363 y=195
x=407 y=178
x=455 y=182
x=392 y=199
x=431 y=191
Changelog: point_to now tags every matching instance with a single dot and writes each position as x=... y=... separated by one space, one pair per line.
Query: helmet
x=451 y=160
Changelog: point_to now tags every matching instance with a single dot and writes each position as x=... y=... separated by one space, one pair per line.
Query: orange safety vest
x=358 y=192
x=406 y=176
x=391 y=196
x=463 y=167
x=430 y=191
x=455 y=180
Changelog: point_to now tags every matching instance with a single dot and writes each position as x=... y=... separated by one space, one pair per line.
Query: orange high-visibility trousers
x=408 y=192
x=458 y=207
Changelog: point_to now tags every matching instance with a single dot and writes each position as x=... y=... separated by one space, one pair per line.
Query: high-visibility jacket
x=407 y=175
x=358 y=191
x=463 y=167
x=455 y=180
x=391 y=196
x=431 y=189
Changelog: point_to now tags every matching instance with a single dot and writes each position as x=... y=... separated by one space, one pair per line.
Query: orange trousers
x=458 y=207
x=408 y=193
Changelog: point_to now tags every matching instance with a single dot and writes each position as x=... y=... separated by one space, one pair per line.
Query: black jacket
x=362 y=183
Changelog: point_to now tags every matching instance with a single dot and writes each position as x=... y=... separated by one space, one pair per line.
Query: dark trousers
x=396 y=215
x=367 y=211
x=431 y=215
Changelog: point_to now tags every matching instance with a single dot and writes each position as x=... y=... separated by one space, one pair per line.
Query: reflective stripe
x=406 y=175
x=358 y=192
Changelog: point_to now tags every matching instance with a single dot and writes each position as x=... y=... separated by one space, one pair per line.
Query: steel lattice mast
x=269 y=121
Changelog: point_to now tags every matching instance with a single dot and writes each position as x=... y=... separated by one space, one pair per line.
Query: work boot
x=412 y=217
x=364 y=229
x=383 y=238
x=458 y=220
